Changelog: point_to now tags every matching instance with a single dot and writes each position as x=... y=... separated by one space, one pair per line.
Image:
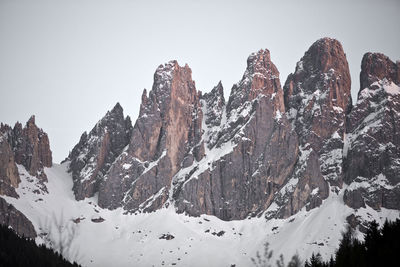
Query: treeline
x=379 y=248
x=19 y=251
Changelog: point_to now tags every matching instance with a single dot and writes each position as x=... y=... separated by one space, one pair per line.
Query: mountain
x=317 y=96
x=290 y=165
x=29 y=148
x=372 y=143
x=93 y=156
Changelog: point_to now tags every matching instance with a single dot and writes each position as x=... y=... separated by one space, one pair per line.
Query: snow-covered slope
x=134 y=239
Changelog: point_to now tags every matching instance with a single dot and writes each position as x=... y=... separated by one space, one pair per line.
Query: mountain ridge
x=269 y=151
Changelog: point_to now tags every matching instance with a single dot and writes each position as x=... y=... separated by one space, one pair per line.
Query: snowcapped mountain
x=200 y=181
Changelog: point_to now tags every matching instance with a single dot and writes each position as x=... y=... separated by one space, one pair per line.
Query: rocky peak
x=249 y=155
x=91 y=158
x=117 y=109
x=323 y=55
x=32 y=148
x=172 y=98
x=376 y=67
x=31 y=121
x=317 y=98
x=372 y=143
x=172 y=81
x=214 y=112
x=215 y=103
x=322 y=70
x=29 y=147
x=260 y=78
x=166 y=136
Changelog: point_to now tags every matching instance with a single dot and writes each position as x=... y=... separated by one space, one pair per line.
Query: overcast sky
x=68 y=62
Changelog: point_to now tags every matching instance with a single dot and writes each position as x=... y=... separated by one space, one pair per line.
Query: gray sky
x=68 y=62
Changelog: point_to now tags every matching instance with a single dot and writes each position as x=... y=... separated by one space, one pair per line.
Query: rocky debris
x=78 y=220
x=372 y=143
x=93 y=156
x=97 y=220
x=12 y=217
x=29 y=147
x=219 y=234
x=167 y=236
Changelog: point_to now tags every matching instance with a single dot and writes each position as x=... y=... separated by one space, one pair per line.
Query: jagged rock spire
x=317 y=97
x=261 y=77
x=372 y=143
x=91 y=158
x=28 y=146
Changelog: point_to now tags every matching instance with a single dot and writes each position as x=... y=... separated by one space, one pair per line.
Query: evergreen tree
x=20 y=251
x=295 y=261
x=379 y=248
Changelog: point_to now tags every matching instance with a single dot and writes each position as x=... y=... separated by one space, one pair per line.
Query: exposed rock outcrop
x=166 y=135
x=266 y=149
x=93 y=156
x=9 y=176
x=12 y=217
x=317 y=97
x=372 y=144
x=254 y=152
x=29 y=147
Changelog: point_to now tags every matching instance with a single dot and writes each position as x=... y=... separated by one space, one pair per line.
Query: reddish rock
x=376 y=67
x=372 y=145
x=266 y=149
x=167 y=131
x=242 y=182
x=29 y=147
x=9 y=176
x=317 y=97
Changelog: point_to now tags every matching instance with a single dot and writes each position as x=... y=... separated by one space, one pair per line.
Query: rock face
x=166 y=135
x=12 y=217
x=92 y=157
x=9 y=176
x=28 y=146
x=251 y=155
x=202 y=155
x=32 y=148
x=266 y=149
x=372 y=144
x=317 y=96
